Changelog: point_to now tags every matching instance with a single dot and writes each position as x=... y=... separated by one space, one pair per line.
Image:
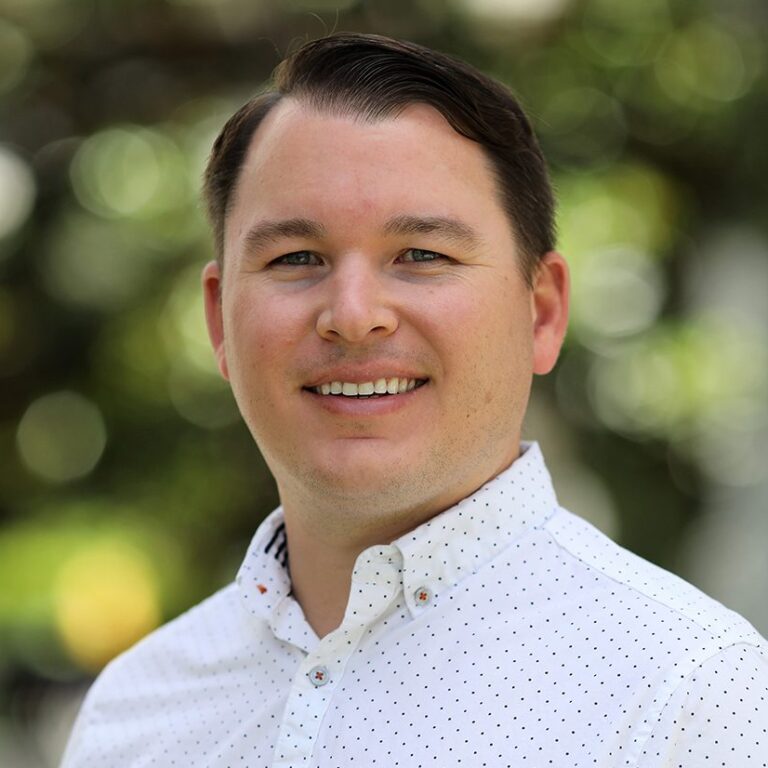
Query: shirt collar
x=456 y=543
x=436 y=555
x=263 y=579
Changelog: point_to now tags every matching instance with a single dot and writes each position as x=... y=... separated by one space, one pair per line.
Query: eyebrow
x=451 y=229
x=454 y=230
x=267 y=232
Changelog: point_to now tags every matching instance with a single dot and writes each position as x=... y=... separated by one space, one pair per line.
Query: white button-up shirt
x=503 y=632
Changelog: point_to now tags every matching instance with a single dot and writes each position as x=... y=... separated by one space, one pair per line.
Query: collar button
x=422 y=596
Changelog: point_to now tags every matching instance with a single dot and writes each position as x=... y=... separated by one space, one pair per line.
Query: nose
x=355 y=307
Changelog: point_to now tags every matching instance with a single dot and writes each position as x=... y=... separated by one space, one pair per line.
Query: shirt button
x=318 y=676
x=422 y=596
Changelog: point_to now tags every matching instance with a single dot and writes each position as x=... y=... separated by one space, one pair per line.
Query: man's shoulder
x=196 y=639
x=149 y=679
x=659 y=594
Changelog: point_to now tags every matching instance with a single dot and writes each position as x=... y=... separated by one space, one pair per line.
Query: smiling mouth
x=368 y=389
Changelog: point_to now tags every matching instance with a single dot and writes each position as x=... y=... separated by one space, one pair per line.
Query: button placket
x=376 y=582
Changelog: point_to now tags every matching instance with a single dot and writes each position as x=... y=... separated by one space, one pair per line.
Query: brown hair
x=377 y=77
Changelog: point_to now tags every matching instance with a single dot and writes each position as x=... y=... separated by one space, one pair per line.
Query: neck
x=323 y=551
x=326 y=535
x=320 y=577
x=324 y=547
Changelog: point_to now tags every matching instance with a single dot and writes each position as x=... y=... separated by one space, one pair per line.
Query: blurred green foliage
x=128 y=485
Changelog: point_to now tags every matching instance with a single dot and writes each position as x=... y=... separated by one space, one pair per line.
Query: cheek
x=261 y=330
x=497 y=350
x=490 y=327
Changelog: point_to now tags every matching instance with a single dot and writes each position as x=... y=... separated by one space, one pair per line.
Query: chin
x=360 y=480
x=357 y=478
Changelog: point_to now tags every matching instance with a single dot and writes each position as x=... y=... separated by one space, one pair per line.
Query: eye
x=296 y=259
x=421 y=256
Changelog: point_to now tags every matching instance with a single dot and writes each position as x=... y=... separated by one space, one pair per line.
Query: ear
x=549 y=305
x=212 y=283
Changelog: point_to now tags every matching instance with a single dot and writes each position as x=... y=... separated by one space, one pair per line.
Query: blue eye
x=421 y=256
x=297 y=259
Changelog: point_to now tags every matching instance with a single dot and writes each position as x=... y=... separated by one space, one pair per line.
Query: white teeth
x=392 y=386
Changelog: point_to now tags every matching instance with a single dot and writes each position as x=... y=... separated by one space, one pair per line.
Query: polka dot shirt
x=503 y=632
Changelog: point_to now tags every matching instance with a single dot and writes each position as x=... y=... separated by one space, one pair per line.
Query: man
x=385 y=286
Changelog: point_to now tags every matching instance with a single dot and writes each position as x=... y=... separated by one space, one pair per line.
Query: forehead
x=348 y=170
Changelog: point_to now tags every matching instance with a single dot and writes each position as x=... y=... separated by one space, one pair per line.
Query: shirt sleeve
x=717 y=717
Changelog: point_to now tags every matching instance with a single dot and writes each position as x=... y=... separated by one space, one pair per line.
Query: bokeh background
x=129 y=488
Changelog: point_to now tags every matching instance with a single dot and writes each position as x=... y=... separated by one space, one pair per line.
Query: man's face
x=360 y=252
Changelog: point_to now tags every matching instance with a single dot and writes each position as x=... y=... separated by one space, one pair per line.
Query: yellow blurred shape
x=630 y=204
x=105 y=599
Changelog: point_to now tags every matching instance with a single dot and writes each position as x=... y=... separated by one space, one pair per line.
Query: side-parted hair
x=375 y=78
